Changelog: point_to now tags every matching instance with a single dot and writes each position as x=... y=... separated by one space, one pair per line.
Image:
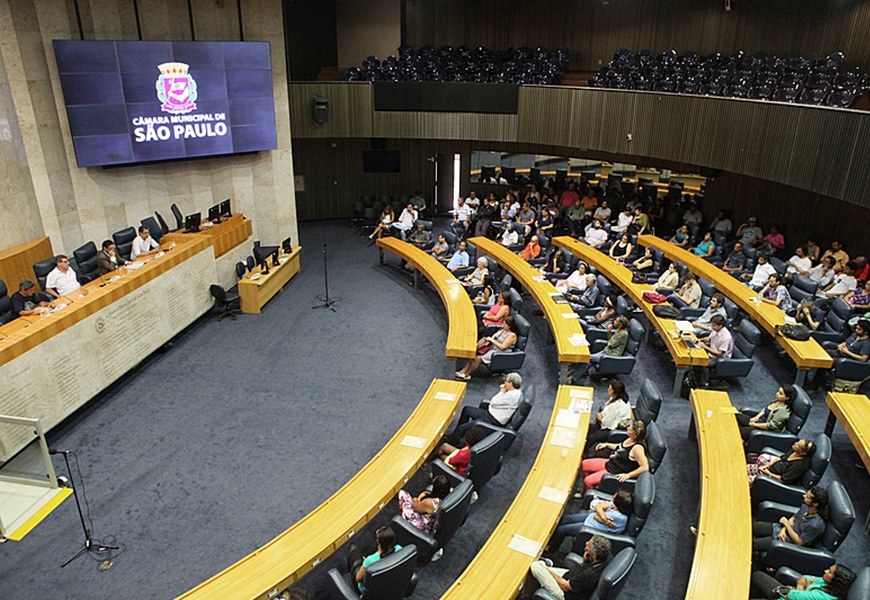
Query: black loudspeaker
x=320 y=109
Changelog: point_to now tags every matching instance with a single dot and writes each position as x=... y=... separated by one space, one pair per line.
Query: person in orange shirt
x=532 y=249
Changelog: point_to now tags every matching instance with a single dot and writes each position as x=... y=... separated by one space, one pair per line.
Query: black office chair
x=86 y=261
x=179 y=218
x=833 y=329
x=768 y=489
x=819 y=557
x=391 y=578
x=241 y=268
x=800 y=411
x=860 y=589
x=516 y=421
x=231 y=304
x=449 y=517
x=163 y=226
x=5 y=304
x=646 y=409
x=154 y=229
x=644 y=496
x=124 y=242
x=802 y=287
x=41 y=271
x=484 y=462
x=621 y=365
x=612 y=579
x=250 y=263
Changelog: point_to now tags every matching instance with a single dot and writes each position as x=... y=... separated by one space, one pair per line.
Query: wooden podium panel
x=224 y=236
x=16 y=263
x=256 y=292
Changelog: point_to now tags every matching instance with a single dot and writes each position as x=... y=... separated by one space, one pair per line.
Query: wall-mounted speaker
x=320 y=109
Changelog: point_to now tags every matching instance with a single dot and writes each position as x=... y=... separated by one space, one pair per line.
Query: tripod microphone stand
x=89 y=545
x=324 y=298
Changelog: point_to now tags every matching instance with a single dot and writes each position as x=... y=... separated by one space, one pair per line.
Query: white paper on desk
x=524 y=545
x=452 y=281
x=553 y=495
x=578 y=339
x=413 y=441
x=570 y=315
x=132 y=266
x=445 y=396
x=539 y=279
x=581 y=406
x=564 y=437
x=582 y=394
x=568 y=419
x=683 y=326
x=789 y=320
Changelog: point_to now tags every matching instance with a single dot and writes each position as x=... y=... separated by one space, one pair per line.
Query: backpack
x=798 y=332
x=638 y=277
x=666 y=311
x=653 y=297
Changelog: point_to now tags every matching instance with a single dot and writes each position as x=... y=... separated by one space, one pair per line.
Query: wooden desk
x=103 y=334
x=285 y=559
x=462 y=335
x=497 y=572
x=723 y=548
x=224 y=236
x=561 y=317
x=16 y=263
x=806 y=355
x=255 y=293
x=621 y=276
x=853 y=412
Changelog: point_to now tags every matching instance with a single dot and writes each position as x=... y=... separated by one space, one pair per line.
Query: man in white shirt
x=843 y=282
x=693 y=215
x=596 y=236
x=800 y=262
x=716 y=307
x=406 y=221
x=461 y=218
x=823 y=273
x=143 y=244
x=722 y=224
x=62 y=280
x=472 y=202
x=500 y=410
x=762 y=273
x=510 y=237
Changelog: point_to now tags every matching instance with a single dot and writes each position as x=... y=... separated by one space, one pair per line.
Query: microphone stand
x=89 y=545
x=324 y=298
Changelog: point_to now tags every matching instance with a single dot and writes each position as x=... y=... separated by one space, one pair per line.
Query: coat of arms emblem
x=176 y=88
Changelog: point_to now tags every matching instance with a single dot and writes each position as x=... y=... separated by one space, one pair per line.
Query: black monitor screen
x=214 y=212
x=225 y=208
x=287 y=246
x=191 y=222
x=131 y=102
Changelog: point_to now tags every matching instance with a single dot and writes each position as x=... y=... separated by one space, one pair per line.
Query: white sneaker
x=474 y=497
x=437 y=555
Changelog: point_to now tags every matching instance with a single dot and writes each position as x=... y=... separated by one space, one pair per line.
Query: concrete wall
x=73 y=205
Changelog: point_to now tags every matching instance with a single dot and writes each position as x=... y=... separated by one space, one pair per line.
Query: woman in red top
x=457 y=458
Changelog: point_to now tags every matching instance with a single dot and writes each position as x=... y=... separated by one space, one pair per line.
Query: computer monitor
x=225 y=209
x=191 y=222
x=214 y=213
x=287 y=246
x=275 y=260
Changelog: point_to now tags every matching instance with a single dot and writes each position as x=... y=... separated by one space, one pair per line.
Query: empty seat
x=124 y=242
x=86 y=260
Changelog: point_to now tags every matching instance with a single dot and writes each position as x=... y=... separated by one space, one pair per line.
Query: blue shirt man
x=460 y=258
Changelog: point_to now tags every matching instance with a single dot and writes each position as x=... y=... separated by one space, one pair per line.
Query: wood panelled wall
x=595 y=30
x=312 y=41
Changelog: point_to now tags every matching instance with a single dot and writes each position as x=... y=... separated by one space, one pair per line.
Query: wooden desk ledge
x=293 y=553
x=806 y=355
x=462 y=334
x=723 y=548
x=498 y=570
x=562 y=320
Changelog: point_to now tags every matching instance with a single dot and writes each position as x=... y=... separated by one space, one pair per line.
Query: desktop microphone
x=70 y=301
x=53 y=451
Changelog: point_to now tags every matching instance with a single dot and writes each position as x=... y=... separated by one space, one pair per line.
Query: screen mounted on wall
x=131 y=102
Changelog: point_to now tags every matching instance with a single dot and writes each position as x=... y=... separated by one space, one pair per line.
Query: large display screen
x=131 y=102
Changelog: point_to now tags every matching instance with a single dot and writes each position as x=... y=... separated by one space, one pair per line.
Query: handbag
x=638 y=277
x=797 y=331
x=654 y=297
x=666 y=311
x=484 y=346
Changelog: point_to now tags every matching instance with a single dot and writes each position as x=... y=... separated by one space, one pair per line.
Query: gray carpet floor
x=206 y=451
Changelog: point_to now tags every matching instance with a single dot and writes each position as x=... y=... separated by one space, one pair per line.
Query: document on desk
x=132 y=266
x=581 y=393
x=412 y=441
x=553 y=495
x=567 y=418
x=558 y=298
x=445 y=396
x=564 y=437
x=683 y=326
x=525 y=545
x=578 y=339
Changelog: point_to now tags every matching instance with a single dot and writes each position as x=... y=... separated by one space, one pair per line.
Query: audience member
x=716 y=307
x=502 y=341
x=574 y=217
x=669 y=280
x=799 y=263
x=603 y=212
x=617 y=340
x=108 y=260
x=834 y=584
x=420 y=236
x=773 y=242
x=623 y=220
x=509 y=236
x=461 y=218
x=596 y=236
x=774 y=417
x=839 y=255
x=405 y=222
x=498 y=412
x=859 y=297
x=621 y=249
x=823 y=273
x=486 y=295
x=604 y=515
x=640 y=223
x=25 y=303
x=386 y=540
x=776 y=293
x=419 y=202
x=615 y=410
x=575 y=281
x=440 y=248
x=760 y=276
x=577 y=583
x=62 y=280
x=813 y=250
x=788 y=469
x=681 y=237
x=460 y=258
x=457 y=458
x=485 y=215
x=500 y=309
x=689 y=294
x=605 y=316
x=545 y=224
x=386 y=219
x=803 y=529
x=419 y=510
x=143 y=244
x=843 y=283
x=645 y=262
x=477 y=276
x=736 y=260
x=532 y=249
x=719 y=343
x=555 y=262
x=472 y=202
x=749 y=234
x=809 y=314
x=722 y=224
x=588 y=298
x=862 y=269
x=570 y=195
x=627 y=459
x=693 y=216
x=705 y=247
x=526 y=218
